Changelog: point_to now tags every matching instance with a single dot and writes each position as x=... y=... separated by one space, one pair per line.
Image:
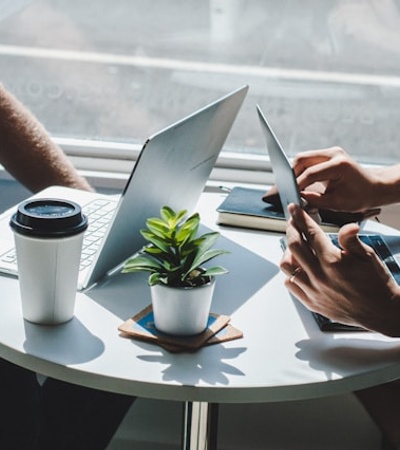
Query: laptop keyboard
x=99 y=213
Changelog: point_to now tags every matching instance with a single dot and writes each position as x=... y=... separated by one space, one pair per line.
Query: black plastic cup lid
x=48 y=217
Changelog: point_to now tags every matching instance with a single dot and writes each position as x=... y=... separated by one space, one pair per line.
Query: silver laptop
x=285 y=178
x=172 y=169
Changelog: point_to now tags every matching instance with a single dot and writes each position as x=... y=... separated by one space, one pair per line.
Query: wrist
x=385 y=185
x=388 y=321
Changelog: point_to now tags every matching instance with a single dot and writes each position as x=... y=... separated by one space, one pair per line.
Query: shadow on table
x=69 y=343
x=341 y=353
x=126 y=294
x=191 y=369
x=337 y=355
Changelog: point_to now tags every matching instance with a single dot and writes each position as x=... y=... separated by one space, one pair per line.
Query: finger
x=311 y=211
x=273 y=190
x=297 y=245
x=350 y=242
x=295 y=289
x=324 y=171
x=330 y=201
x=288 y=263
x=302 y=221
x=318 y=242
x=296 y=274
x=306 y=159
x=301 y=293
x=300 y=278
x=272 y=195
x=314 y=199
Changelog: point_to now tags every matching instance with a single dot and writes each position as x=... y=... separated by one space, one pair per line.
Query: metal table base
x=200 y=426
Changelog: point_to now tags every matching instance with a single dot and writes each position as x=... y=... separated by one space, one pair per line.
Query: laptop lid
x=285 y=178
x=173 y=168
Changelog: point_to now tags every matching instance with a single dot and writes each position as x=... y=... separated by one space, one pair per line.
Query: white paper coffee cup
x=48 y=239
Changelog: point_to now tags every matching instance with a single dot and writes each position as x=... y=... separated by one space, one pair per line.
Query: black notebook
x=326 y=324
x=245 y=207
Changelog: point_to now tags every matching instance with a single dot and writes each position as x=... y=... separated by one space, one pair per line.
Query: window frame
x=108 y=164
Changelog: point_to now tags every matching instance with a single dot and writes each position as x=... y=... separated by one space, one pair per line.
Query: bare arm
x=350 y=285
x=28 y=153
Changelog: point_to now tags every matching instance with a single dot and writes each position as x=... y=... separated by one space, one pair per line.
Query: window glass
x=325 y=72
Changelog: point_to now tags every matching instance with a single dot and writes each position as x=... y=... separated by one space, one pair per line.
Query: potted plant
x=181 y=287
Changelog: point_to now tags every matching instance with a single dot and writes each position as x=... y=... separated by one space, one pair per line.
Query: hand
x=349 y=285
x=338 y=182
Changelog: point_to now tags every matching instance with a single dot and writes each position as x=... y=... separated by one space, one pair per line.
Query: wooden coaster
x=141 y=326
x=228 y=333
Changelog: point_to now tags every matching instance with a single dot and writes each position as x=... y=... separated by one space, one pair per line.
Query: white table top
x=282 y=356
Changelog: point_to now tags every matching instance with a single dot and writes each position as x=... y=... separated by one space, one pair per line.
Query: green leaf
x=204 y=243
x=216 y=270
x=171 y=218
x=192 y=222
x=185 y=237
x=189 y=229
x=155 y=240
x=140 y=264
x=207 y=240
x=180 y=215
x=153 y=279
x=158 y=227
x=153 y=250
x=202 y=258
x=167 y=213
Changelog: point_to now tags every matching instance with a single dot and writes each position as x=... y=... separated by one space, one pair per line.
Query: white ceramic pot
x=182 y=311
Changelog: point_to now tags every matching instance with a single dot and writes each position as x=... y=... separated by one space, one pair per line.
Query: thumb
x=349 y=241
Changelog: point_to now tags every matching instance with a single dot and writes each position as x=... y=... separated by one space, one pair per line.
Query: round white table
x=282 y=356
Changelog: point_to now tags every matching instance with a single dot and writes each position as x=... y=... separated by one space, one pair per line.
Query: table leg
x=200 y=426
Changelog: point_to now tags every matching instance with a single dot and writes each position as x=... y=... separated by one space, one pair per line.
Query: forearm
x=386 y=185
x=28 y=153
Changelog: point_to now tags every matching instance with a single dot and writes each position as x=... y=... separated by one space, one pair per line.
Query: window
x=108 y=74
